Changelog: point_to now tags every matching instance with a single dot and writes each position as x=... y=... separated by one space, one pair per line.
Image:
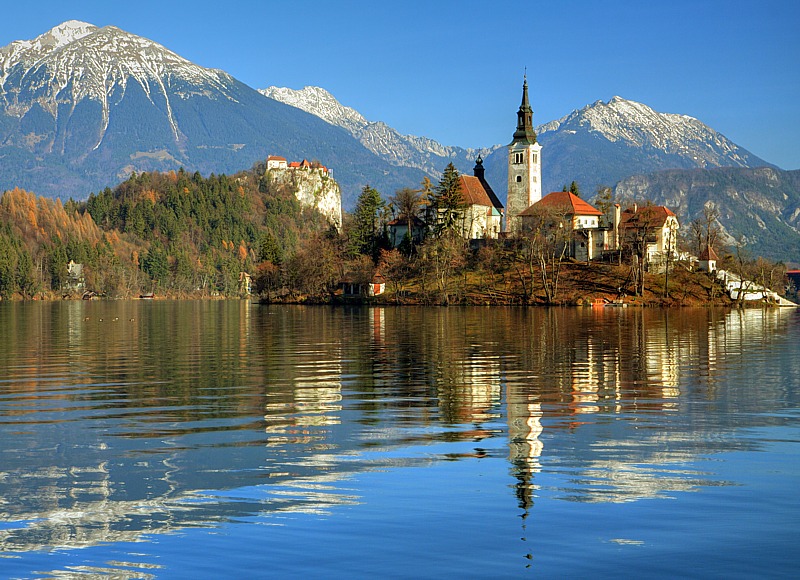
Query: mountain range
x=82 y=107
x=759 y=208
x=400 y=150
x=597 y=145
x=669 y=159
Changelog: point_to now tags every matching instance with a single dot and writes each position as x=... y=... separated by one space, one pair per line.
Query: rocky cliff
x=313 y=187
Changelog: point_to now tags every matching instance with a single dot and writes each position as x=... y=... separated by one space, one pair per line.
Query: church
x=524 y=166
x=590 y=234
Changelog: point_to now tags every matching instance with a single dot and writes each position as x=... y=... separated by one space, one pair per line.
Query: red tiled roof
x=650 y=215
x=294 y=164
x=708 y=254
x=491 y=194
x=276 y=158
x=473 y=191
x=563 y=201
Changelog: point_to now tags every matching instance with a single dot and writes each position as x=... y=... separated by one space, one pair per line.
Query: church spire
x=525 y=132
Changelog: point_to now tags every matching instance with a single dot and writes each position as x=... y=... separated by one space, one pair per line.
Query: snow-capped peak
x=97 y=64
x=637 y=125
x=65 y=33
x=28 y=51
x=92 y=61
x=319 y=102
x=378 y=137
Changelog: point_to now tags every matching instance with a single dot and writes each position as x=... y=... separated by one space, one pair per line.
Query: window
x=518 y=158
x=533 y=157
x=534 y=179
x=519 y=179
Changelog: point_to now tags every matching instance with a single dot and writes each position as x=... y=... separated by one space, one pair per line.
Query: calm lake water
x=225 y=439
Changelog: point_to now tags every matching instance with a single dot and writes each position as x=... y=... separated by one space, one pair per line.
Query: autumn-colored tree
x=266 y=279
x=314 y=268
x=444 y=256
x=394 y=266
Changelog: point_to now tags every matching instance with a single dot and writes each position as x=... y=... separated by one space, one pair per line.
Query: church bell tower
x=524 y=165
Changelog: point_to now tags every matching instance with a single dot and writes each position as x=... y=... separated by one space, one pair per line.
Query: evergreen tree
x=448 y=202
x=269 y=250
x=365 y=231
x=57 y=264
x=155 y=263
x=25 y=281
x=8 y=265
x=574 y=189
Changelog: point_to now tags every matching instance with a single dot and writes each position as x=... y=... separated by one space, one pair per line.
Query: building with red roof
x=578 y=221
x=569 y=205
x=651 y=230
x=707 y=261
x=480 y=218
x=276 y=162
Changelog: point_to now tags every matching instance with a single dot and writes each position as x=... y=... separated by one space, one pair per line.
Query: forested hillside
x=178 y=234
x=173 y=232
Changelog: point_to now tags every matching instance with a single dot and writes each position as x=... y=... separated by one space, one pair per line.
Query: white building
x=524 y=165
x=276 y=162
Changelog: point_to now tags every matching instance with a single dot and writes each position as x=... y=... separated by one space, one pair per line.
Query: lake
x=213 y=439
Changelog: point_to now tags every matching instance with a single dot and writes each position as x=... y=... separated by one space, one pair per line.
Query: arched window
x=519 y=179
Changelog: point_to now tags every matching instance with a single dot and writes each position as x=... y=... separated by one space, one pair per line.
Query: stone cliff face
x=313 y=187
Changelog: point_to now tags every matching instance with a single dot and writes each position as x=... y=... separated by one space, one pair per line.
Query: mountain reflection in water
x=124 y=421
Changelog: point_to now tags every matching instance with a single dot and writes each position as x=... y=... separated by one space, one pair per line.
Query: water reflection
x=120 y=420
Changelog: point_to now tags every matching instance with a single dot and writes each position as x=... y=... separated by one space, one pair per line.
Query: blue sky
x=452 y=70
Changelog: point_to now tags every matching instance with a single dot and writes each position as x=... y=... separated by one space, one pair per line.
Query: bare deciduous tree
x=444 y=256
x=543 y=245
